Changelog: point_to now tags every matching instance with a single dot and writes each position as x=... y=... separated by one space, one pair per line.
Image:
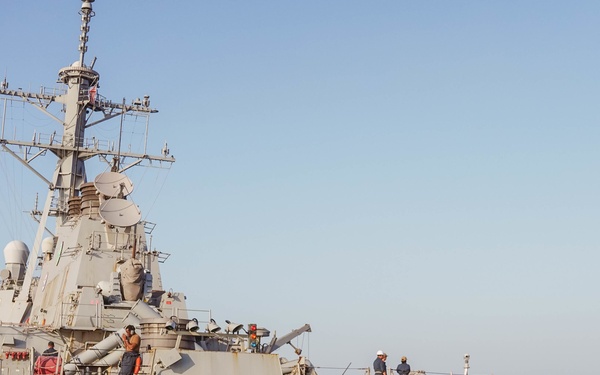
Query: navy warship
x=80 y=284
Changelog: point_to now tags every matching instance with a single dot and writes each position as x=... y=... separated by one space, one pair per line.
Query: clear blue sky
x=420 y=177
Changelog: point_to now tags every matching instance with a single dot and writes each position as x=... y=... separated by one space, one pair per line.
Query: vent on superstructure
x=90 y=202
x=74 y=206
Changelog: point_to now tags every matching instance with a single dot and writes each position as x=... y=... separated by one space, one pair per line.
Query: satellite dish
x=120 y=212
x=111 y=184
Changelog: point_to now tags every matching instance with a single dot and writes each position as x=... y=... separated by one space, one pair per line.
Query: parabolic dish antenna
x=112 y=184
x=120 y=212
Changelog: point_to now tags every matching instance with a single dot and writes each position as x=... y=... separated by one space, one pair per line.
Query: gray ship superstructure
x=95 y=272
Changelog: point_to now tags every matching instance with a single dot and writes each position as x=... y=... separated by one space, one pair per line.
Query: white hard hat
x=380 y=352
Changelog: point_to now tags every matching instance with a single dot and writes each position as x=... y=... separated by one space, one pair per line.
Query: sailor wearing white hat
x=379 y=365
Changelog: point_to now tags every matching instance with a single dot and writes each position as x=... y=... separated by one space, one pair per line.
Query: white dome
x=16 y=252
x=48 y=245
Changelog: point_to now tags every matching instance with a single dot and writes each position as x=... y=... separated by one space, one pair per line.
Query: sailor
x=131 y=342
x=50 y=352
x=403 y=368
x=379 y=364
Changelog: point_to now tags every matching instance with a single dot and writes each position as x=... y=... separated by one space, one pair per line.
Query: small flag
x=92 y=94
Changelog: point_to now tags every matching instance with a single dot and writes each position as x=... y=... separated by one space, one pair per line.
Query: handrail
x=175 y=311
x=96 y=316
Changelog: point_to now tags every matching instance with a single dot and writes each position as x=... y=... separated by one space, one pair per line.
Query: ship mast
x=70 y=169
x=86 y=15
x=79 y=102
x=79 y=79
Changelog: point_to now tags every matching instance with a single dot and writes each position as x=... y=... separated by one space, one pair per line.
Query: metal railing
x=70 y=311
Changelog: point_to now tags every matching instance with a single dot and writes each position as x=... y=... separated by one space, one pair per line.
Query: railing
x=177 y=312
x=69 y=311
